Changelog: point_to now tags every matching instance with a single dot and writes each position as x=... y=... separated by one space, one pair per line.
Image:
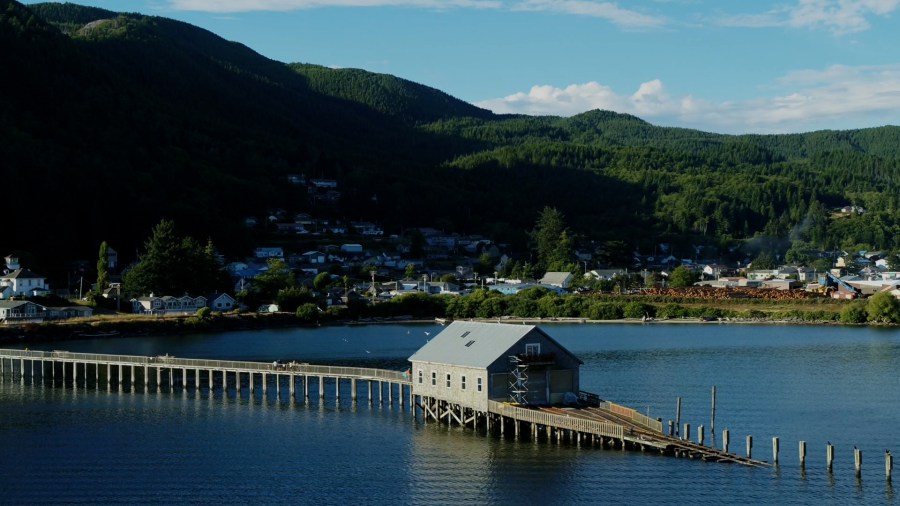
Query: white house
x=22 y=282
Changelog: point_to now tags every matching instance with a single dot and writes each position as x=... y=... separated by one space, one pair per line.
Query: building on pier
x=471 y=363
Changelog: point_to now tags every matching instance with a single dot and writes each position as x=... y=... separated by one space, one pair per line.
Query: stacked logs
x=713 y=293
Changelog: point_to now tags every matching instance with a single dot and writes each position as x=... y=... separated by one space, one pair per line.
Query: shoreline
x=130 y=326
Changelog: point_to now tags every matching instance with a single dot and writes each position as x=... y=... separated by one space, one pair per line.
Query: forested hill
x=111 y=121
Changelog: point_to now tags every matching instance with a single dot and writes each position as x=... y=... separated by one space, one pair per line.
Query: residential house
x=21 y=311
x=558 y=279
x=67 y=312
x=22 y=282
x=221 y=302
x=269 y=252
x=514 y=288
x=471 y=363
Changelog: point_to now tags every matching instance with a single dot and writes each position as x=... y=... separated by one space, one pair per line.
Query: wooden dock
x=592 y=422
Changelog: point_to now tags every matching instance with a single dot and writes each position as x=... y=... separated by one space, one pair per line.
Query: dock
x=588 y=422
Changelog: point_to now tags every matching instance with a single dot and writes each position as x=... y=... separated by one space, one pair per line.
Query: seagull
x=367 y=351
x=427 y=333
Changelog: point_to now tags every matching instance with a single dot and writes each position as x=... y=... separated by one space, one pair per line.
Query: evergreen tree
x=551 y=240
x=174 y=266
x=102 y=268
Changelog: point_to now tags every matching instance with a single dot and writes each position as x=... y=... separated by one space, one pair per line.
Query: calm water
x=818 y=384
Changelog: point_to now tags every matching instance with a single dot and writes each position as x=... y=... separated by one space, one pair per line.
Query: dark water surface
x=83 y=446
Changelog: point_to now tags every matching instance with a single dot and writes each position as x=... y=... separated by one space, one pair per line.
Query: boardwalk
x=594 y=422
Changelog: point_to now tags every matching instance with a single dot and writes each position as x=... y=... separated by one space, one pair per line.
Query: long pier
x=168 y=372
x=594 y=422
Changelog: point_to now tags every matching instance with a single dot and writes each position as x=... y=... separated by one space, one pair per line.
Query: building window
x=470 y=343
x=433 y=378
x=533 y=349
x=478 y=383
x=462 y=382
x=448 y=380
x=420 y=376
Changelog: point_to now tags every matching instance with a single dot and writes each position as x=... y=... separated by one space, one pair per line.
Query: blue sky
x=727 y=66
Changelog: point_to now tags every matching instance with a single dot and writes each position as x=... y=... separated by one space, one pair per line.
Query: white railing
x=231 y=365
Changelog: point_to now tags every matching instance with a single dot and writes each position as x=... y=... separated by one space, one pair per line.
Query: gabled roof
x=489 y=341
x=12 y=304
x=23 y=274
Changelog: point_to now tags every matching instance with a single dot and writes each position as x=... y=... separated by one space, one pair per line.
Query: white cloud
x=837 y=97
x=837 y=16
x=288 y=5
x=606 y=10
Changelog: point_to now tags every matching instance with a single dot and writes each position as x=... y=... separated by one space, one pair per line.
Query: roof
x=489 y=341
x=556 y=278
x=23 y=274
x=12 y=304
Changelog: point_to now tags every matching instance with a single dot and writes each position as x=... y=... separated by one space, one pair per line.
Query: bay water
x=819 y=384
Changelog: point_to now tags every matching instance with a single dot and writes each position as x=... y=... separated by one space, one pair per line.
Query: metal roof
x=474 y=344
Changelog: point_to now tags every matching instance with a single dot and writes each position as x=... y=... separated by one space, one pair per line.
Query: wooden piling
x=678 y=414
x=775 y=450
x=687 y=432
x=829 y=457
x=749 y=447
x=888 y=465
x=712 y=425
x=802 y=453
x=857 y=461
x=700 y=435
x=725 y=440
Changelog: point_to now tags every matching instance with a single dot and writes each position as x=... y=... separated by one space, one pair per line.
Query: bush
x=204 y=313
x=308 y=312
x=855 y=312
x=605 y=311
x=638 y=310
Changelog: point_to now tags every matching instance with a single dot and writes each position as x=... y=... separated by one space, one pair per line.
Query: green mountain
x=112 y=121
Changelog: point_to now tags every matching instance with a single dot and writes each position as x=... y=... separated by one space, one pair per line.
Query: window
x=533 y=349
x=448 y=380
x=479 y=384
x=465 y=334
x=433 y=378
x=420 y=376
x=462 y=382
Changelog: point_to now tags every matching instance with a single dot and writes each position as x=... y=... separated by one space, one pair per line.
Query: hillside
x=112 y=121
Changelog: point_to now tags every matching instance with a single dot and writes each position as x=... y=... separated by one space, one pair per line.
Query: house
x=271 y=252
x=515 y=288
x=167 y=304
x=22 y=282
x=558 y=279
x=471 y=363
x=64 y=313
x=21 y=311
x=221 y=302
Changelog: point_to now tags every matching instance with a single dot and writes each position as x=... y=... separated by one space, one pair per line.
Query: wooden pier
x=167 y=372
x=592 y=422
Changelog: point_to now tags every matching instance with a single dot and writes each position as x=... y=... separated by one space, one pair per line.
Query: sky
x=725 y=66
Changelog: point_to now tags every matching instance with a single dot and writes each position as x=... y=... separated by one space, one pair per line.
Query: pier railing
x=191 y=363
x=631 y=414
x=554 y=420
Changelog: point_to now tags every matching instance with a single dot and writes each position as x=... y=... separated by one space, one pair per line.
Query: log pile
x=713 y=293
